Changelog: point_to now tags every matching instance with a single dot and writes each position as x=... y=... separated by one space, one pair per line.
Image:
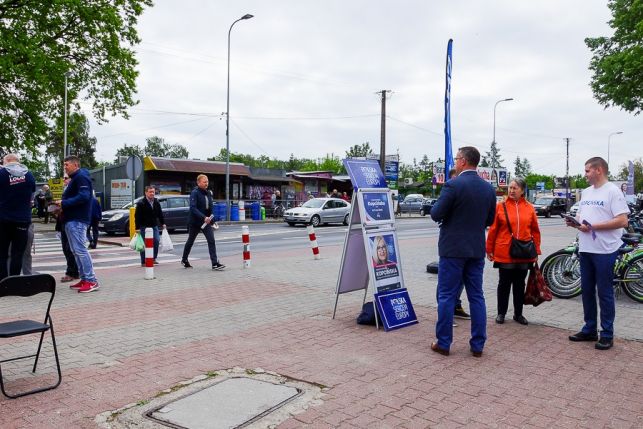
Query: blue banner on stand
x=395 y=309
x=365 y=173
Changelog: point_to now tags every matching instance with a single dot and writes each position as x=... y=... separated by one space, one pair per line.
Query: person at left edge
x=17 y=186
x=200 y=215
x=76 y=207
x=149 y=215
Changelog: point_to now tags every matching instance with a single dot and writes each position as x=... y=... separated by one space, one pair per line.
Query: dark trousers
x=12 y=234
x=596 y=277
x=92 y=233
x=511 y=279
x=452 y=274
x=72 y=267
x=193 y=231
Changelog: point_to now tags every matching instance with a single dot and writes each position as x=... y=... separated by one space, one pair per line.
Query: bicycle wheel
x=632 y=280
x=561 y=271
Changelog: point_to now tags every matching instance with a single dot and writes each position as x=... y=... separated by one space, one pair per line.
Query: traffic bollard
x=313 y=241
x=245 y=238
x=149 y=254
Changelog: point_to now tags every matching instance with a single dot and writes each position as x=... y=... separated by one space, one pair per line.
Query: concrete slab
x=228 y=404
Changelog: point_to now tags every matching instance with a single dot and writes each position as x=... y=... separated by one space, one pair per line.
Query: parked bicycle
x=561 y=269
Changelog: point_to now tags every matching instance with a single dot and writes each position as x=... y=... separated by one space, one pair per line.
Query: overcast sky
x=304 y=77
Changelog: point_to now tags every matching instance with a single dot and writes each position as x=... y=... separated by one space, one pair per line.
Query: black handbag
x=520 y=249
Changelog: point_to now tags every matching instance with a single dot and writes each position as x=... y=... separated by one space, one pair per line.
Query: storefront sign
x=121 y=193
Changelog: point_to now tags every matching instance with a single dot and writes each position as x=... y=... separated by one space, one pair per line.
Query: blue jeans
x=77 y=235
x=157 y=238
x=452 y=273
x=597 y=274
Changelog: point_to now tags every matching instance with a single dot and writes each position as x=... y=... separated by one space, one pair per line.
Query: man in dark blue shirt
x=17 y=186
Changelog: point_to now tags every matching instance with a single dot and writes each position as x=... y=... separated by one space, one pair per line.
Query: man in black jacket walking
x=201 y=220
x=149 y=215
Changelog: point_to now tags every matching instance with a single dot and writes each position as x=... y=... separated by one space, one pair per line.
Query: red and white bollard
x=245 y=238
x=149 y=254
x=313 y=241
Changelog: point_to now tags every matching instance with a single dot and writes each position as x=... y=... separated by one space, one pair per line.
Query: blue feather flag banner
x=448 y=151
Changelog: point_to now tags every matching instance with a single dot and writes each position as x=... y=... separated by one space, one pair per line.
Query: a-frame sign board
x=371 y=254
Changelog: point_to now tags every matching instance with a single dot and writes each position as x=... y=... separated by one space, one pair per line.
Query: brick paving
x=135 y=338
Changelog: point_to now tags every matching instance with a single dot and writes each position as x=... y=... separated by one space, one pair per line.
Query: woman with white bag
x=149 y=215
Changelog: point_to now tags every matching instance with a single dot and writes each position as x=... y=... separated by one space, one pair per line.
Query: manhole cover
x=229 y=404
x=229 y=398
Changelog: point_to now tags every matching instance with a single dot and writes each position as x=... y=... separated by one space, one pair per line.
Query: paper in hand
x=571 y=219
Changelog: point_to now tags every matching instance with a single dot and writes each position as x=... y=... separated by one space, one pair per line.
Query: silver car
x=319 y=211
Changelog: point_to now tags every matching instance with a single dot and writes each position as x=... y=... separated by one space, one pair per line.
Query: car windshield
x=543 y=201
x=313 y=204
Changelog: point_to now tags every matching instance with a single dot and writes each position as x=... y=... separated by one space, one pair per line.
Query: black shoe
x=186 y=264
x=521 y=319
x=475 y=353
x=582 y=336
x=604 y=344
x=500 y=319
x=459 y=313
x=218 y=266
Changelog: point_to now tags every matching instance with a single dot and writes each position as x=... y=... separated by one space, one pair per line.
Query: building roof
x=194 y=166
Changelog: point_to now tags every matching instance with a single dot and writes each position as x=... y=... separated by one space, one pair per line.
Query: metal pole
x=608 y=147
x=227 y=125
x=65 y=121
x=494 y=116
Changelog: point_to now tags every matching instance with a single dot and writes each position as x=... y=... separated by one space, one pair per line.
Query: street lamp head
x=508 y=99
x=247 y=16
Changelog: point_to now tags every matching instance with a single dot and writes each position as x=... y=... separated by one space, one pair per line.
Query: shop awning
x=152 y=163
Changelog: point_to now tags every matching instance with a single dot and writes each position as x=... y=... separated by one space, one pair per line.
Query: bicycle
x=561 y=270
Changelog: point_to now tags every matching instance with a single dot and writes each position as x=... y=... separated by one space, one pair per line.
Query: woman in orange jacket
x=512 y=272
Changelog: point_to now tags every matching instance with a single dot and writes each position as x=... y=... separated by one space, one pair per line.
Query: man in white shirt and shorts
x=602 y=215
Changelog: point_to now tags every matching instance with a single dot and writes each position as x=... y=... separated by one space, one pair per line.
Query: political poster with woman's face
x=384 y=260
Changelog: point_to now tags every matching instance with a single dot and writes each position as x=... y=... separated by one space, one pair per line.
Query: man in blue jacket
x=467 y=205
x=17 y=186
x=77 y=209
x=201 y=220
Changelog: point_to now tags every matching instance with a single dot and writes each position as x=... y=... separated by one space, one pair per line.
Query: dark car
x=176 y=210
x=548 y=206
x=411 y=204
x=427 y=205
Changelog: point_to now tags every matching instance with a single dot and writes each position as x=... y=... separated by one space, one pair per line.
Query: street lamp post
x=494 y=116
x=608 y=146
x=227 y=125
x=65 y=120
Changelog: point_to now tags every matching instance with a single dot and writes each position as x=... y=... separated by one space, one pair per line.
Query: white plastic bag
x=166 y=242
x=132 y=243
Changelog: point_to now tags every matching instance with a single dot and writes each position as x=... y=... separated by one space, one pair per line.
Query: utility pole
x=383 y=130
x=567 y=139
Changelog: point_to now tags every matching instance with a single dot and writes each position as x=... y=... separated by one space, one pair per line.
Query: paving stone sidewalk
x=136 y=338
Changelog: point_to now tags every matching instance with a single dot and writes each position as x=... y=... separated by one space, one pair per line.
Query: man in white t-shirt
x=602 y=214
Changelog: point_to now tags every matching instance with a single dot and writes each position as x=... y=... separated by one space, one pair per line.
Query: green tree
x=332 y=163
x=617 y=61
x=359 y=151
x=156 y=146
x=40 y=41
x=638 y=174
x=522 y=167
x=492 y=157
x=128 y=150
x=532 y=179
x=79 y=142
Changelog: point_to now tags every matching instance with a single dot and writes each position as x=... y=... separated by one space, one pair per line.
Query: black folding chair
x=26 y=286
